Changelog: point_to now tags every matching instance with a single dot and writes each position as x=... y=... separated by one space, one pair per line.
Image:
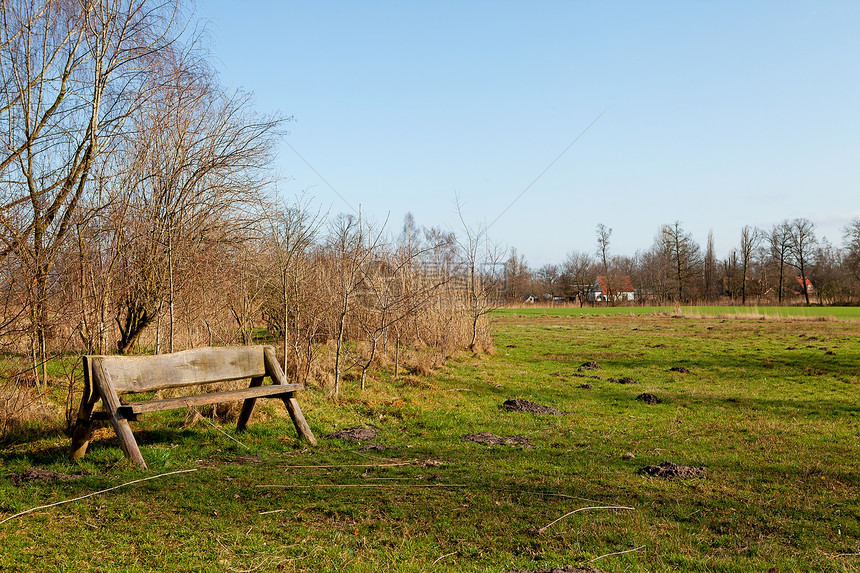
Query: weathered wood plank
x=248 y=406
x=83 y=430
x=196 y=366
x=302 y=427
x=271 y=390
x=276 y=373
x=103 y=383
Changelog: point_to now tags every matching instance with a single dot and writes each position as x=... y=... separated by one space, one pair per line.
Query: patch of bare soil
x=354 y=434
x=586 y=386
x=565 y=569
x=668 y=470
x=680 y=369
x=520 y=405
x=624 y=380
x=650 y=399
x=494 y=440
x=590 y=365
x=37 y=475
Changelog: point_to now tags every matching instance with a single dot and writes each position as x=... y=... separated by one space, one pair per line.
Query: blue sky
x=715 y=114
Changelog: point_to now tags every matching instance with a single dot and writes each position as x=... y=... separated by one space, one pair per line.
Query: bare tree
x=292 y=230
x=549 y=278
x=683 y=257
x=831 y=274
x=712 y=287
x=480 y=259
x=198 y=160
x=517 y=277
x=801 y=240
x=750 y=239
x=603 y=235
x=352 y=245
x=73 y=73
x=851 y=241
x=780 y=239
x=732 y=274
x=577 y=274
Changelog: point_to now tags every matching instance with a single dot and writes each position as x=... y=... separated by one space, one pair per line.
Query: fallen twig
x=92 y=494
x=444 y=556
x=618 y=553
x=548 y=525
x=202 y=417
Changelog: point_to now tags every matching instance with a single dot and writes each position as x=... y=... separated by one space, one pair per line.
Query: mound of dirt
x=586 y=386
x=624 y=380
x=668 y=470
x=37 y=475
x=650 y=399
x=680 y=369
x=354 y=434
x=520 y=405
x=494 y=440
x=590 y=365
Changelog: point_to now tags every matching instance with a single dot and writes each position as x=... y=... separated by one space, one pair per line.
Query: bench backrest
x=129 y=374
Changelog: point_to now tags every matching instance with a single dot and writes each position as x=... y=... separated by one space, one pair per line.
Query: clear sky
x=716 y=114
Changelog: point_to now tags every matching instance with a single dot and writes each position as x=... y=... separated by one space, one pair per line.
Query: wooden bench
x=108 y=377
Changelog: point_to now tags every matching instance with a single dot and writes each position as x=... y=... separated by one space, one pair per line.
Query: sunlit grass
x=691 y=311
x=769 y=407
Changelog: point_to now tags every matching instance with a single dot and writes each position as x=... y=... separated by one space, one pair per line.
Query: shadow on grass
x=50 y=446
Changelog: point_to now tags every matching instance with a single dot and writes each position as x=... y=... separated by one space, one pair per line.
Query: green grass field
x=770 y=409
x=748 y=312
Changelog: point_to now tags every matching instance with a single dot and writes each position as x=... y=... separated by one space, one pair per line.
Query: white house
x=617 y=289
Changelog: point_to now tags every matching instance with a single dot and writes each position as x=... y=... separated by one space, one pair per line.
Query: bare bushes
x=20 y=402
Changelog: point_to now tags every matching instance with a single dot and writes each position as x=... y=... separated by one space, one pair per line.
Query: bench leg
x=248 y=406
x=83 y=429
x=273 y=369
x=299 y=419
x=117 y=420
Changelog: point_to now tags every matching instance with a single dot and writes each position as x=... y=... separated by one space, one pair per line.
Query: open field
x=746 y=312
x=769 y=408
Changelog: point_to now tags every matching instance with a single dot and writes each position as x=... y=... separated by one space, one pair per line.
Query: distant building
x=615 y=289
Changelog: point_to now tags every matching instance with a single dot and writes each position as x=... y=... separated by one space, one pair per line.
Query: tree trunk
x=339 y=347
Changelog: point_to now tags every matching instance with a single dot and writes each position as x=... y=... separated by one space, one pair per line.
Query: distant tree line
x=787 y=263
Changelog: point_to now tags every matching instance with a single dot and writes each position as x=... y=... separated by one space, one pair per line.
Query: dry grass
x=21 y=405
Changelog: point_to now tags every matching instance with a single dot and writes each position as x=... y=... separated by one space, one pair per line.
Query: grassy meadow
x=769 y=407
